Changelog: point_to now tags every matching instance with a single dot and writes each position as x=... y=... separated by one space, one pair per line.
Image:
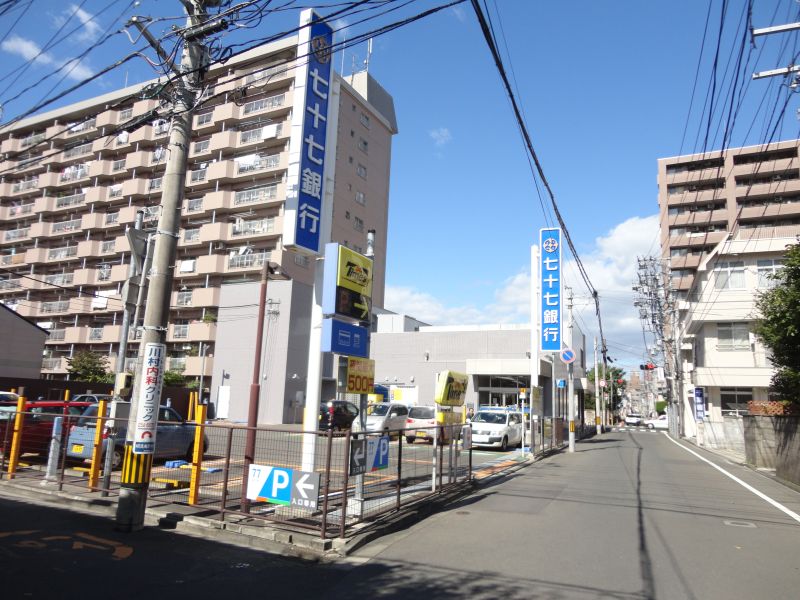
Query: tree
x=612 y=373
x=89 y=366
x=779 y=326
x=174 y=379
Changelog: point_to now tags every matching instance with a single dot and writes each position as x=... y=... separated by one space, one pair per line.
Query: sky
x=605 y=88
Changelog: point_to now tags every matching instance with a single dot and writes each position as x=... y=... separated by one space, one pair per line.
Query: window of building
x=733 y=336
x=363 y=145
x=365 y=119
x=301 y=260
x=350 y=159
x=358 y=224
x=347 y=214
x=735 y=399
x=679 y=252
x=361 y=198
x=729 y=275
x=205 y=118
x=125 y=114
x=766 y=268
x=361 y=170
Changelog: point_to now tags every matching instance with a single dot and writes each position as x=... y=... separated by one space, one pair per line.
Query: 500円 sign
x=360 y=375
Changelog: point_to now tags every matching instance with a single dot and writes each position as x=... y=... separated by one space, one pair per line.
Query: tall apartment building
x=751 y=192
x=726 y=219
x=69 y=190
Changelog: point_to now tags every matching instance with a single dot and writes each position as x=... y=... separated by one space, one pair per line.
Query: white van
x=497 y=429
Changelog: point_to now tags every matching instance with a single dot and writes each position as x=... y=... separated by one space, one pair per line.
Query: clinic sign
x=699 y=404
x=307 y=176
x=147 y=403
x=550 y=290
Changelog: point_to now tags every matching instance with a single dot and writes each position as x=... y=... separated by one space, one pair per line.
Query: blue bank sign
x=309 y=176
x=345 y=338
x=550 y=287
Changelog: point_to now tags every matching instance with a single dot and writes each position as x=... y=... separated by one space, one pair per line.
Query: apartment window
x=256 y=162
x=363 y=145
x=155 y=184
x=347 y=214
x=365 y=120
x=258 y=194
x=675 y=252
x=767 y=267
x=118 y=165
x=201 y=147
x=361 y=199
x=361 y=170
x=729 y=275
x=194 y=204
x=264 y=104
x=125 y=114
x=301 y=260
x=358 y=224
x=198 y=174
x=735 y=398
x=733 y=336
x=205 y=118
x=191 y=235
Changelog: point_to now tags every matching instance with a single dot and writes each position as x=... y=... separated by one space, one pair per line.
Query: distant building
x=69 y=190
x=726 y=218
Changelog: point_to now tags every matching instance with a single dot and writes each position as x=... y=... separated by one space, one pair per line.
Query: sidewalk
x=257 y=533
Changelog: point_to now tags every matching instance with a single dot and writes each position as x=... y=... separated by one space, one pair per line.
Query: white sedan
x=661 y=422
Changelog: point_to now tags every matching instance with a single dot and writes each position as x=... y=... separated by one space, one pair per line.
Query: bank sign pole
x=550 y=334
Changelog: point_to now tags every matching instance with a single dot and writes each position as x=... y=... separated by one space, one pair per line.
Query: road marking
x=747 y=486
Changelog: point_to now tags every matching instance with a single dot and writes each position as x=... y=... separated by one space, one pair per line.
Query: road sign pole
x=570 y=388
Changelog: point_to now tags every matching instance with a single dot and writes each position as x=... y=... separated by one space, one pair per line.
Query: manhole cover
x=740 y=524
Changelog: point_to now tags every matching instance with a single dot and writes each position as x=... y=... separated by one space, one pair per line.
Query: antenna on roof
x=369 y=55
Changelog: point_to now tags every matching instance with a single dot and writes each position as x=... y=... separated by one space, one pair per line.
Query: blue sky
x=605 y=88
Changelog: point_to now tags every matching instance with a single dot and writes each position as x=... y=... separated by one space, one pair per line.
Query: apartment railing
x=256 y=163
x=254 y=227
x=50 y=364
x=259 y=194
x=17 y=234
x=24 y=185
x=180 y=332
x=245 y=261
x=63 y=252
x=72 y=200
x=65 y=226
x=95 y=334
x=59 y=279
x=23 y=209
x=57 y=335
x=54 y=307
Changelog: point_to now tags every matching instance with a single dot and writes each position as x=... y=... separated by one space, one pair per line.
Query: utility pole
x=126 y=313
x=145 y=401
x=597 y=402
x=570 y=383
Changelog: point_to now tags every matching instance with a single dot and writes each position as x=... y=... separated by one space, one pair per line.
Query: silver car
x=386 y=416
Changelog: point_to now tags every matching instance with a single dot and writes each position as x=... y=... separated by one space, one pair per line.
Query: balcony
x=54 y=365
x=688 y=261
x=56 y=335
x=176 y=363
x=210 y=264
x=59 y=279
x=93 y=221
x=179 y=332
x=15 y=235
x=55 y=307
x=88 y=248
x=15 y=212
x=25 y=185
x=10 y=284
x=96 y=194
x=70 y=201
x=103 y=168
x=254 y=228
x=212 y=232
x=12 y=259
x=63 y=253
x=247 y=261
x=194 y=366
x=770 y=210
x=64 y=227
x=133 y=187
x=194 y=205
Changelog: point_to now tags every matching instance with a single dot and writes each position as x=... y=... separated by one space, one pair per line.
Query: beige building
x=751 y=192
x=726 y=219
x=72 y=182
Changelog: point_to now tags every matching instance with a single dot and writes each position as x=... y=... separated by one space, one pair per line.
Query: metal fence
x=350 y=477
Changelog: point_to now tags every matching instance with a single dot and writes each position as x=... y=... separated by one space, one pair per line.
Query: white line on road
x=761 y=495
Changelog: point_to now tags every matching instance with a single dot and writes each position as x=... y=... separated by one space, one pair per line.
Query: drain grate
x=747 y=524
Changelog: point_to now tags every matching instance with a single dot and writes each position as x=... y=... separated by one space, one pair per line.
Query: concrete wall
x=21 y=346
x=284 y=349
x=725 y=434
x=774 y=443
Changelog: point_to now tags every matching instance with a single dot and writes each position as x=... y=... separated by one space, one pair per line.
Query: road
x=630 y=515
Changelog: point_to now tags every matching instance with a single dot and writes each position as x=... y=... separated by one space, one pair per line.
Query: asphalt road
x=630 y=515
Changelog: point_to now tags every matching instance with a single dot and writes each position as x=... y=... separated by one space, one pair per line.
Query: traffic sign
x=358 y=456
x=561 y=383
x=287 y=487
x=602 y=383
x=378 y=453
x=567 y=355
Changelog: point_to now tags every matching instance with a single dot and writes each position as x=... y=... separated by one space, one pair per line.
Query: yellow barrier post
x=197 y=454
x=66 y=395
x=190 y=416
x=16 y=437
x=97 y=448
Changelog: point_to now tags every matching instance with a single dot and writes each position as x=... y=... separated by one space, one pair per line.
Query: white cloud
x=440 y=136
x=91 y=28
x=460 y=13
x=611 y=266
x=29 y=50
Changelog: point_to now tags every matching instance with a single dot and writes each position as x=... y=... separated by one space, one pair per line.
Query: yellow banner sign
x=354 y=272
x=451 y=388
x=360 y=375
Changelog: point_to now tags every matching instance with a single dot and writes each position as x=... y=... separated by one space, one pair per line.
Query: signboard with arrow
x=278 y=485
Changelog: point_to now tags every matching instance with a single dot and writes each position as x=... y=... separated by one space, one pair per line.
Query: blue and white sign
x=307 y=176
x=287 y=487
x=378 y=453
x=561 y=383
x=699 y=404
x=550 y=287
x=567 y=355
x=345 y=338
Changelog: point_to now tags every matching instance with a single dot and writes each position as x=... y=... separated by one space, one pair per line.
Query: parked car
x=92 y=397
x=633 y=419
x=8 y=399
x=497 y=429
x=337 y=414
x=386 y=416
x=37 y=423
x=420 y=416
x=660 y=422
x=174 y=436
